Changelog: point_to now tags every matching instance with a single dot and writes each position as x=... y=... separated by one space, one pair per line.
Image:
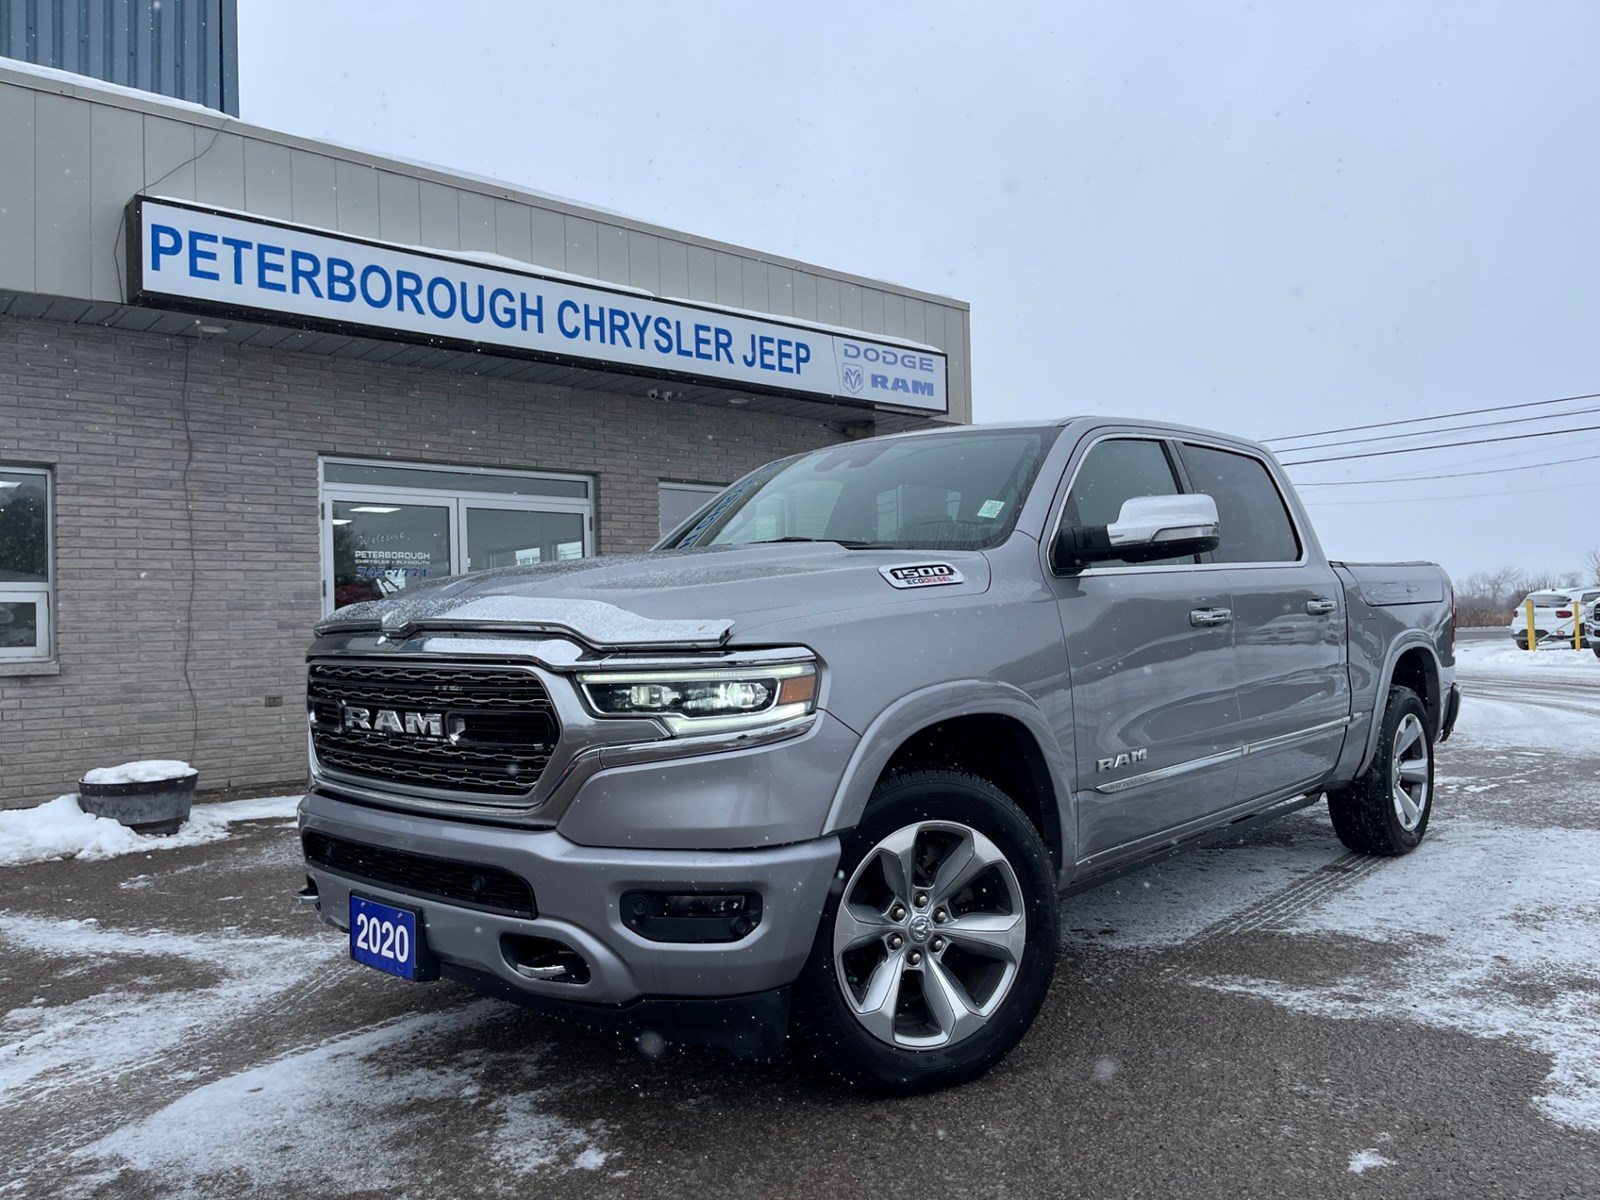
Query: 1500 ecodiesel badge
x=826 y=760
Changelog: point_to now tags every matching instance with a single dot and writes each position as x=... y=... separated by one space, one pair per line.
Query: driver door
x=1155 y=715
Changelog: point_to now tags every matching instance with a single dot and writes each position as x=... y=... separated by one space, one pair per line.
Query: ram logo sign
x=388 y=720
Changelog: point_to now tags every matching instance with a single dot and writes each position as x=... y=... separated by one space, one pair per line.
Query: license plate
x=385 y=937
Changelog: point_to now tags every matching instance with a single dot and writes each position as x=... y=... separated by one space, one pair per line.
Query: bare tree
x=1591 y=563
x=1501 y=585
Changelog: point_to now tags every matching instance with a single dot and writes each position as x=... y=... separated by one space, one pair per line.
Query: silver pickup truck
x=826 y=762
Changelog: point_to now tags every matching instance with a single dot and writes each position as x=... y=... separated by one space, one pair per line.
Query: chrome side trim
x=1172 y=772
x=1288 y=739
x=1212 y=760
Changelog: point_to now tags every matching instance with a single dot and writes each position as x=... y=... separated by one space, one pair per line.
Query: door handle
x=1321 y=606
x=1202 y=617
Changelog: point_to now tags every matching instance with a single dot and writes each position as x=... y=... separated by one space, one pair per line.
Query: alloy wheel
x=929 y=935
x=1408 y=773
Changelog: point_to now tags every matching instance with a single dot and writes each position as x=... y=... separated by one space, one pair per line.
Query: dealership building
x=246 y=377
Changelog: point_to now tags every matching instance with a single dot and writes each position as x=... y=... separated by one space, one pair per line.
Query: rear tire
x=1386 y=810
x=938 y=941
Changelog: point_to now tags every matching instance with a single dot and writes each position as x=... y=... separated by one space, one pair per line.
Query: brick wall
x=155 y=497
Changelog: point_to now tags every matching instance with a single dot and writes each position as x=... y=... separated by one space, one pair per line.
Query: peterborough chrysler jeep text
x=826 y=759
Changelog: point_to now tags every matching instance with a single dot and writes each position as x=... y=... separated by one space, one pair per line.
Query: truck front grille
x=474 y=885
x=482 y=732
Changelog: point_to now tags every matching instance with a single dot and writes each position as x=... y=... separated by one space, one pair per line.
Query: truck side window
x=1114 y=471
x=1255 y=522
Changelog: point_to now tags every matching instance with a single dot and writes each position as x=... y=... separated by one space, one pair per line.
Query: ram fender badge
x=921 y=575
x=1126 y=759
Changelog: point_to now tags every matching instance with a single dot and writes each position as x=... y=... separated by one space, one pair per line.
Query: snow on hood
x=682 y=598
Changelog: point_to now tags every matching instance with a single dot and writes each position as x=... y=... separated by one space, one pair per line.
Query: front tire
x=938 y=941
x=1386 y=810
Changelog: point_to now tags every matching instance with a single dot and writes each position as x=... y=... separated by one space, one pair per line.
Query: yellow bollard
x=1533 y=638
x=1577 y=623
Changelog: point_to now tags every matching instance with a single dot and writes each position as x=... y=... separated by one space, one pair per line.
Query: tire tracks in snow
x=1532 y=695
x=1277 y=911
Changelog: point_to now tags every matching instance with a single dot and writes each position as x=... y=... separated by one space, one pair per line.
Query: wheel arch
x=989 y=729
x=1412 y=662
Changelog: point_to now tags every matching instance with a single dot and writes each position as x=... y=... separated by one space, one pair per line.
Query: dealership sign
x=201 y=259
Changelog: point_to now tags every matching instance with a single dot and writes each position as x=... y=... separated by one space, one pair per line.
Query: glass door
x=387 y=528
x=497 y=536
x=380 y=546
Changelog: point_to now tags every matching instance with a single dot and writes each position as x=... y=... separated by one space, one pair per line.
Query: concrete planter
x=159 y=806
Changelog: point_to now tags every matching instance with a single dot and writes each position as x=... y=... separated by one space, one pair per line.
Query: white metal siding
x=75 y=155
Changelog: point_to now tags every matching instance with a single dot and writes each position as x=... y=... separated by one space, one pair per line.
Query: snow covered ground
x=1549 y=663
x=1496 y=917
x=173 y=1024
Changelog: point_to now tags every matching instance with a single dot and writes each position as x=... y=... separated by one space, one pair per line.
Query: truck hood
x=681 y=599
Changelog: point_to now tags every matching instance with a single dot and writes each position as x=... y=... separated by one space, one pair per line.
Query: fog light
x=691 y=916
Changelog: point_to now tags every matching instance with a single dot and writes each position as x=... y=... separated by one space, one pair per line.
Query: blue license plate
x=385 y=937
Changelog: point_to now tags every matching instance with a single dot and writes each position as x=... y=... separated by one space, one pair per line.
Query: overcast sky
x=1266 y=218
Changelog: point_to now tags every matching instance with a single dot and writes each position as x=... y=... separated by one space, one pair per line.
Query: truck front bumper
x=577 y=893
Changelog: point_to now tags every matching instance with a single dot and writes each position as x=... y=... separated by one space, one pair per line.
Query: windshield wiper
x=848 y=545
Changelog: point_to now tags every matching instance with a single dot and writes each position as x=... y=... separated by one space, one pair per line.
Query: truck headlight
x=706 y=701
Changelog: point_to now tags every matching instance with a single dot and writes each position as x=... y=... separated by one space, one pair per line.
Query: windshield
x=959 y=491
x=1549 y=599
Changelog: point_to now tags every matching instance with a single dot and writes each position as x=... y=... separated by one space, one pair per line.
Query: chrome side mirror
x=1147 y=528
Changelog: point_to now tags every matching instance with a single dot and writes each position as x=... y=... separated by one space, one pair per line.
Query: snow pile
x=61 y=829
x=150 y=770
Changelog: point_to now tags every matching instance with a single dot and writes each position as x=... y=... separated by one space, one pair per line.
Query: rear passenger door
x=1154 y=720
x=1288 y=625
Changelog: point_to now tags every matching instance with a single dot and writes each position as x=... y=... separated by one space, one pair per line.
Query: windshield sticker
x=991 y=508
x=919 y=575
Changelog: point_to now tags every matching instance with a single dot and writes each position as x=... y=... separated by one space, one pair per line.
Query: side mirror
x=1148 y=528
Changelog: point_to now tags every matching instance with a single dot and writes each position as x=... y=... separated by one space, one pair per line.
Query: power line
x=1510 y=437
x=1466 y=412
x=1502 y=454
x=1395 y=437
x=1560 y=487
x=1560 y=462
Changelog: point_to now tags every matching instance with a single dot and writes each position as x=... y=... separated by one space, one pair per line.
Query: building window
x=26 y=574
x=680 y=501
x=388 y=526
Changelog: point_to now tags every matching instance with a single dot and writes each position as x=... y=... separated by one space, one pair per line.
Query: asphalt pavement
x=1271 y=1017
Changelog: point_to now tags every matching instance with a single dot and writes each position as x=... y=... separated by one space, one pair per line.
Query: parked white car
x=1553 y=615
